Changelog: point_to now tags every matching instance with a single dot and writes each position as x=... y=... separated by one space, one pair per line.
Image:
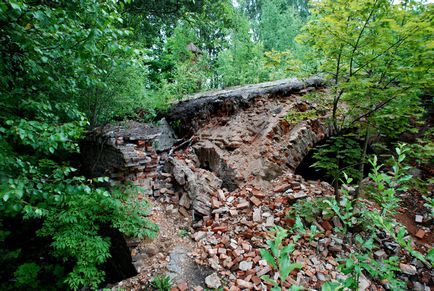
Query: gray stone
x=315 y=261
x=408 y=269
x=185 y=201
x=245 y=265
x=200 y=235
x=380 y=254
x=337 y=222
x=223 y=209
x=213 y=281
x=363 y=283
x=270 y=221
x=418 y=286
x=199 y=185
x=182 y=268
x=300 y=195
x=256 y=214
x=151 y=251
x=321 y=276
x=167 y=137
x=264 y=271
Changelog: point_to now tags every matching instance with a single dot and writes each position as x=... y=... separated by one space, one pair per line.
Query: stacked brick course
x=125 y=153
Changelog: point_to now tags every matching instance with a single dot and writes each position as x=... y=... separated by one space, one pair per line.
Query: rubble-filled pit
x=228 y=183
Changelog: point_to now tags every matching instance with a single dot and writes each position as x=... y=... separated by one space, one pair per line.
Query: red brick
x=326 y=225
x=183 y=286
x=281 y=188
x=221 y=228
x=255 y=201
x=256 y=280
x=420 y=233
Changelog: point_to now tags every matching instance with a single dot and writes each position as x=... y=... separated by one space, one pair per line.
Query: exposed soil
x=172 y=252
x=412 y=206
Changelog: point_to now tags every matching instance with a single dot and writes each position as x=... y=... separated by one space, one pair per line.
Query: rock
x=363 y=283
x=151 y=251
x=212 y=252
x=394 y=247
x=299 y=195
x=183 y=212
x=221 y=210
x=214 y=263
x=380 y=254
x=221 y=194
x=233 y=212
x=185 y=201
x=200 y=184
x=213 y=281
x=270 y=221
x=315 y=261
x=256 y=214
x=222 y=251
x=215 y=203
x=167 y=138
x=417 y=286
x=256 y=280
x=335 y=248
x=321 y=276
x=221 y=228
x=337 y=222
x=199 y=235
x=245 y=265
x=264 y=271
x=418 y=218
x=408 y=269
x=258 y=193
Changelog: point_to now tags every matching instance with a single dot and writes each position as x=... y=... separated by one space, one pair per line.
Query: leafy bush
x=338 y=155
x=383 y=270
x=51 y=56
x=386 y=185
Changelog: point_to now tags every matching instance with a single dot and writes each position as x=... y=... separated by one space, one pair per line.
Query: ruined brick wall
x=123 y=153
x=236 y=136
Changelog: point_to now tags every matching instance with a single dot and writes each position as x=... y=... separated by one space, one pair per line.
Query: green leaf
x=268 y=257
x=331 y=286
x=269 y=280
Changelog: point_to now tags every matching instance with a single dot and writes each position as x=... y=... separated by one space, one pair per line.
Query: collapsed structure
x=234 y=136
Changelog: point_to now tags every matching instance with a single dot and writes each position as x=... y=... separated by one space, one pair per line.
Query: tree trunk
x=362 y=164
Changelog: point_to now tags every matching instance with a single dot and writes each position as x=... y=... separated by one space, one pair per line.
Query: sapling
x=386 y=185
x=162 y=283
x=345 y=210
x=279 y=259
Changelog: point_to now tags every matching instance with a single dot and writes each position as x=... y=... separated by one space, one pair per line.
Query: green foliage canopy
x=53 y=56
